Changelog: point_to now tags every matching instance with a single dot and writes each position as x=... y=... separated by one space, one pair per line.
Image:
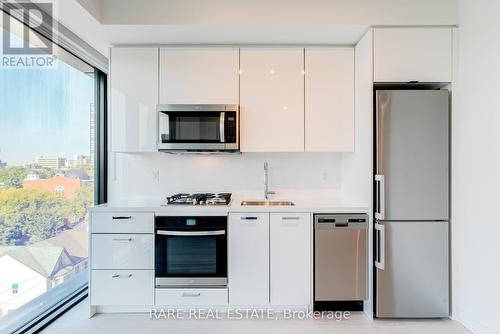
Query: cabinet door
x=290 y=259
x=248 y=259
x=272 y=100
x=199 y=75
x=329 y=102
x=412 y=54
x=134 y=95
x=122 y=287
x=122 y=251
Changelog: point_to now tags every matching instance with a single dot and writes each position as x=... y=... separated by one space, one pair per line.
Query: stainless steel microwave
x=198 y=127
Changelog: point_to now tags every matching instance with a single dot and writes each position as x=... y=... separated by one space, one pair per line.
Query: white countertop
x=305 y=201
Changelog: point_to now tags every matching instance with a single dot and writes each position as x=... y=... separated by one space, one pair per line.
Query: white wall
x=476 y=166
x=357 y=170
x=134 y=176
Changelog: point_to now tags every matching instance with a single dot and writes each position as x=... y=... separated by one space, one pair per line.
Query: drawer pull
x=122 y=217
x=249 y=218
x=191 y=294
x=122 y=239
x=121 y=276
x=290 y=218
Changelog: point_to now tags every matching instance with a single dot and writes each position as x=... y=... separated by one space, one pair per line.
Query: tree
x=29 y=215
x=76 y=207
x=46 y=173
x=13 y=177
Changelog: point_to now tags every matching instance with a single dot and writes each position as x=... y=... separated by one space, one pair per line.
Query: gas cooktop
x=200 y=199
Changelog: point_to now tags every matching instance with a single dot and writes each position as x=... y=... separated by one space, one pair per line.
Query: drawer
x=195 y=297
x=122 y=222
x=122 y=251
x=122 y=287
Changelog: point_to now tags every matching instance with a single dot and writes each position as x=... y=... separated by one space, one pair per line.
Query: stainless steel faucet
x=267 y=192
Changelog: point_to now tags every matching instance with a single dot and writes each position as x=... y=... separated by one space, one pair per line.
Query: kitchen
x=283 y=175
x=279 y=101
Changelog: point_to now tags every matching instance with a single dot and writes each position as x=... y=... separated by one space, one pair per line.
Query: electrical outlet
x=156 y=175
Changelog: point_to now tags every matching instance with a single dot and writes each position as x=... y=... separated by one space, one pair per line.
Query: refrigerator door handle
x=380 y=200
x=380 y=250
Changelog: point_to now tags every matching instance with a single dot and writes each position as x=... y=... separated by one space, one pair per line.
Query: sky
x=44 y=112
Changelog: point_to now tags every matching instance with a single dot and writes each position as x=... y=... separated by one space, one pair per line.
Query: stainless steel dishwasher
x=340 y=261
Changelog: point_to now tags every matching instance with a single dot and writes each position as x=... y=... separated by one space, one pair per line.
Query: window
x=59 y=190
x=52 y=146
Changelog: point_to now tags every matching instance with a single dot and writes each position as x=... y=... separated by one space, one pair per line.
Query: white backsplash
x=150 y=176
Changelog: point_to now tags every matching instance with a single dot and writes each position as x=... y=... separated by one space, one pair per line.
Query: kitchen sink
x=267 y=203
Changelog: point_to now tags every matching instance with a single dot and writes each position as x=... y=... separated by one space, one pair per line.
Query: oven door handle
x=191 y=233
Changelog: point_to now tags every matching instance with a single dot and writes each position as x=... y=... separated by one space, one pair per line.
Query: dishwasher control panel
x=330 y=221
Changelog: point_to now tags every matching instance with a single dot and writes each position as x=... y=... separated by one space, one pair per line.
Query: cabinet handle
x=290 y=218
x=249 y=218
x=191 y=294
x=121 y=276
x=121 y=217
x=122 y=239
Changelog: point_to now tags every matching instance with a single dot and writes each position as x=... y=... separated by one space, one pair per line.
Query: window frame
x=56 y=301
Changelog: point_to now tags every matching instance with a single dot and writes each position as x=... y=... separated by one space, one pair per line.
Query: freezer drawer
x=412 y=269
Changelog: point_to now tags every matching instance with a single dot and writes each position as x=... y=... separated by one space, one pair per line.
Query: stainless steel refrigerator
x=412 y=203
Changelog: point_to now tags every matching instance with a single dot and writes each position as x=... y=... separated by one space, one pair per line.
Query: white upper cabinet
x=413 y=54
x=199 y=75
x=290 y=256
x=329 y=103
x=134 y=95
x=272 y=99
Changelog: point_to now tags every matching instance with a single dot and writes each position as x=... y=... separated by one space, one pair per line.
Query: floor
x=76 y=321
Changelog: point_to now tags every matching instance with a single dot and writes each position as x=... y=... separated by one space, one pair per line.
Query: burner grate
x=200 y=199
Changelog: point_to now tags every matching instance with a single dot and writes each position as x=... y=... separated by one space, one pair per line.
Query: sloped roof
x=50 y=256
x=42 y=259
x=75 y=241
x=77 y=174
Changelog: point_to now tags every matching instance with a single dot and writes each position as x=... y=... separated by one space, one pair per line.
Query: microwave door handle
x=222 y=127
x=191 y=233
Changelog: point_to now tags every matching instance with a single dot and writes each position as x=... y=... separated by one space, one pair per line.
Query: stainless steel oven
x=191 y=251
x=198 y=127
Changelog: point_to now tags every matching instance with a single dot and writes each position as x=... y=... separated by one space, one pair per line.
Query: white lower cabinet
x=122 y=287
x=191 y=297
x=123 y=222
x=290 y=254
x=123 y=251
x=269 y=259
x=248 y=258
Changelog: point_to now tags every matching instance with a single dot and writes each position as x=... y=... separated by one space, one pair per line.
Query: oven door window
x=191 y=127
x=191 y=256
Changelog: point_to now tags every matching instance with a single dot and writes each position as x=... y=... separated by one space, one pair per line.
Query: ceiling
x=103 y=23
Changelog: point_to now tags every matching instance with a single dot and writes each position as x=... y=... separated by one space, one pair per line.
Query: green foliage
x=30 y=215
x=13 y=176
x=46 y=173
x=76 y=208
